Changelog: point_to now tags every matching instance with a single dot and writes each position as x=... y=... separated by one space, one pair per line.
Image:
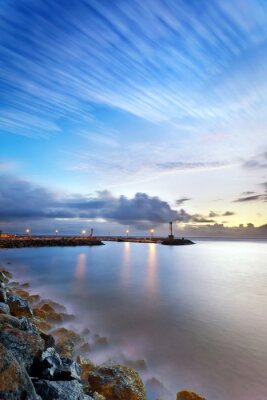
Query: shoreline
x=40 y=351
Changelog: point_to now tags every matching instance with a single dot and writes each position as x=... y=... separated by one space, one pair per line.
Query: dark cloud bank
x=23 y=202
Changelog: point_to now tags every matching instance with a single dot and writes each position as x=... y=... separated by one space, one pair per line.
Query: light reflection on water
x=197 y=314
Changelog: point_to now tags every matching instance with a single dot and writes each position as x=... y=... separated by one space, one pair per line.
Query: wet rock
x=49 y=365
x=69 y=370
x=23 y=344
x=116 y=383
x=27 y=325
x=25 y=285
x=6 y=319
x=57 y=307
x=18 y=306
x=21 y=293
x=63 y=390
x=65 y=347
x=185 y=395
x=15 y=383
x=4 y=308
x=46 y=363
x=87 y=365
x=48 y=339
x=100 y=340
x=47 y=308
x=68 y=334
x=97 y=396
x=42 y=324
x=39 y=313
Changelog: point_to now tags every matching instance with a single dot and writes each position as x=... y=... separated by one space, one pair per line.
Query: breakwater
x=48 y=241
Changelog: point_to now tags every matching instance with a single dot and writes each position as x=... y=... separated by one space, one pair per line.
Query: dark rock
x=185 y=395
x=116 y=383
x=46 y=363
x=3 y=295
x=18 y=306
x=4 y=308
x=63 y=390
x=6 y=273
x=48 y=339
x=10 y=320
x=23 y=344
x=15 y=383
x=69 y=370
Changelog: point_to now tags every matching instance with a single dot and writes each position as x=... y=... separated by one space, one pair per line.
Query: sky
x=118 y=114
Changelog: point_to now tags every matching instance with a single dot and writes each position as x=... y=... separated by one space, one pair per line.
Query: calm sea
x=196 y=314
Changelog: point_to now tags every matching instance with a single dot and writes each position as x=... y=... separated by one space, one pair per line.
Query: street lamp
x=83 y=232
x=152 y=233
x=56 y=232
x=127 y=233
x=27 y=231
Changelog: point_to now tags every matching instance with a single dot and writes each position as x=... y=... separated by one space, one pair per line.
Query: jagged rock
x=4 y=308
x=18 y=306
x=21 y=293
x=185 y=395
x=69 y=370
x=50 y=366
x=23 y=344
x=57 y=307
x=62 y=390
x=10 y=320
x=15 y=383
x=116 y=383
x=47 y=308
x=46 y=363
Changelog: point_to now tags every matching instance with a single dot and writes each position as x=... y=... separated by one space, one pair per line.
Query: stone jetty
x=48 y=241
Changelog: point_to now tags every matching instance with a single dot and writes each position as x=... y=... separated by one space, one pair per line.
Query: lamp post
x=28 y=231
x=152 y=233
x=56 y=232
x=83 y=232
x=127 y=233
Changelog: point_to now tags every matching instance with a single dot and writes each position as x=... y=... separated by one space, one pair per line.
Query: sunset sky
x=122 y=114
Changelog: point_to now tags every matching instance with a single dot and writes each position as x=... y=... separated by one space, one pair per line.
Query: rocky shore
x=40 y=359
x=47 y=241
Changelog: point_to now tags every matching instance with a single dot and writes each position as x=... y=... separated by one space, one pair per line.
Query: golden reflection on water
x=80 y=266
x=152 y=273
x=126 y=265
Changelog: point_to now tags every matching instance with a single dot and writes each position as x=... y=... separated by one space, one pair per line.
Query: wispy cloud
x=152 y=60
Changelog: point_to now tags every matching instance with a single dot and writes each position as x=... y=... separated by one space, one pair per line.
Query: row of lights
x=28 y=231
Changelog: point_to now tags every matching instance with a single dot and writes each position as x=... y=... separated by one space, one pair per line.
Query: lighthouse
x=171 y=236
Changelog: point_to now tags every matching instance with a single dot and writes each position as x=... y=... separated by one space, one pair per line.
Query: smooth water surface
x=196 y=314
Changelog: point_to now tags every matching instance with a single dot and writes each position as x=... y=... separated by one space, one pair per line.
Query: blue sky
x=164 y=98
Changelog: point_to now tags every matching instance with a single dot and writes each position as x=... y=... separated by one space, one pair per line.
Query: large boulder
x=25 y=345
x=116 y=383
x=185 y=395
x=50 y=366
x=18 y=306
x=62 y=390
x=3 y=294
x=14 y=381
